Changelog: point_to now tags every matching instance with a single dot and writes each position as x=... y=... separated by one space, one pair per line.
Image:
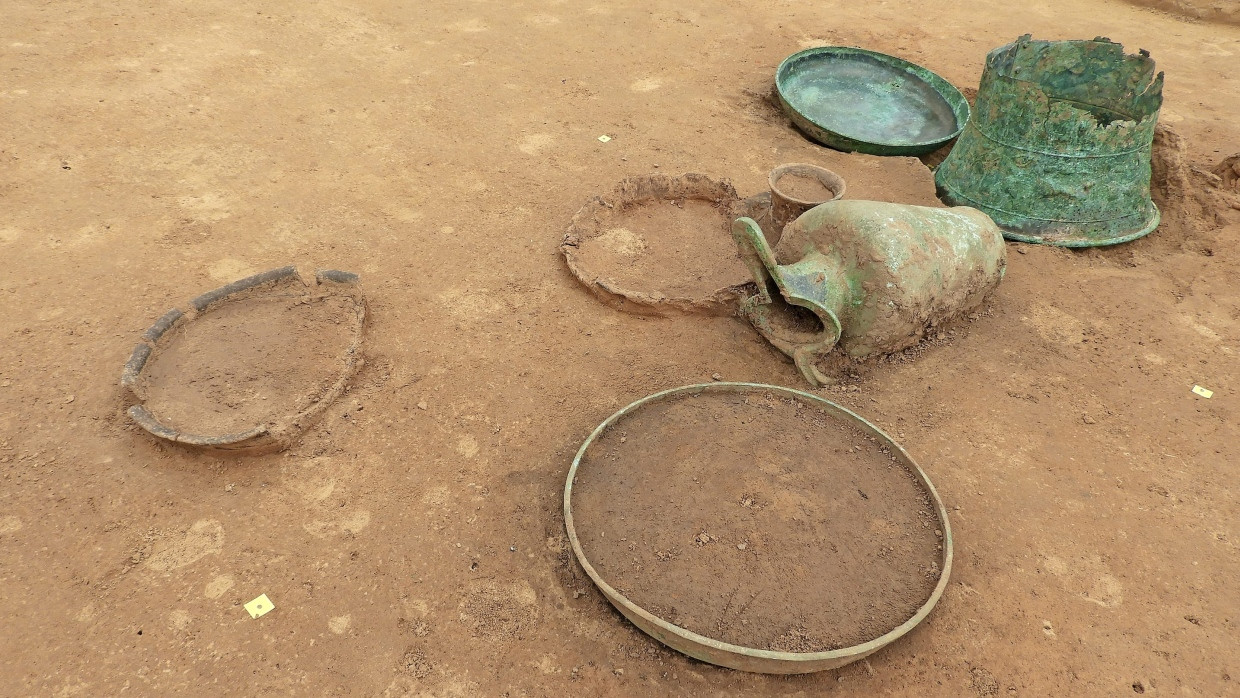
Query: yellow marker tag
x=1202 y=391
x=260 y=606
x=604 y=138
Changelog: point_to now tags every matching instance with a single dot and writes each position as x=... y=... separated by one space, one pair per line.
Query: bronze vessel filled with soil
x=736 y=523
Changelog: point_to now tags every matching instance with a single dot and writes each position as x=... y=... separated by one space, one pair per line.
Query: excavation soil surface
x=757 y=519
x=804 y=188
x=413 y=540
x=665 y=248
x=249 y=362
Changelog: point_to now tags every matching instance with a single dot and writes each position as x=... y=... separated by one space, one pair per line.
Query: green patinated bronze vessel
x=852 y=99
x=869 y=277
x=1058 y=150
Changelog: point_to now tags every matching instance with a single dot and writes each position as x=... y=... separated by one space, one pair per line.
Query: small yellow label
x=260 y=606
x=604 y=138
x=1202 y=391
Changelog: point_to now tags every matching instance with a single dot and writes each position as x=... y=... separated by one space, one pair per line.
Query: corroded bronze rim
x=736 y=656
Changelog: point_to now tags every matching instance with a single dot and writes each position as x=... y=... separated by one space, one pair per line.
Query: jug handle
x=795 y=282
x=756 y=254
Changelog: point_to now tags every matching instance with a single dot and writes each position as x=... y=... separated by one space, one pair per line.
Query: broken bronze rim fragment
x=273 y=434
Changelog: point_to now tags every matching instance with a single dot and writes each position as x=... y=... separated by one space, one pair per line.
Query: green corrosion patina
x=1058 y=150
x=864 y=101
x=868 y=277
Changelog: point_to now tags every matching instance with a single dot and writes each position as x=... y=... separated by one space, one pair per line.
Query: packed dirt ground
x=412 y=541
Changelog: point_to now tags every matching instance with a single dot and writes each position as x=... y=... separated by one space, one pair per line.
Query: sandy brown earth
x=440 y=149
x=1227 y=11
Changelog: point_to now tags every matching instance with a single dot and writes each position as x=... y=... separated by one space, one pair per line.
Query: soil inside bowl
x=759 y=520
x=674 y=248
x=248 y=362
x=804 y=188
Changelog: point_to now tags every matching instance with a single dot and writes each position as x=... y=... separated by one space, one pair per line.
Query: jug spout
x=796 y=307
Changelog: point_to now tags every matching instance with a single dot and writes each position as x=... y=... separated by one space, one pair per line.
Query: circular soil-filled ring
x=785 y=207
x=262 y=437
x=735 y=656
x=590 y=221
x=829 y=179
